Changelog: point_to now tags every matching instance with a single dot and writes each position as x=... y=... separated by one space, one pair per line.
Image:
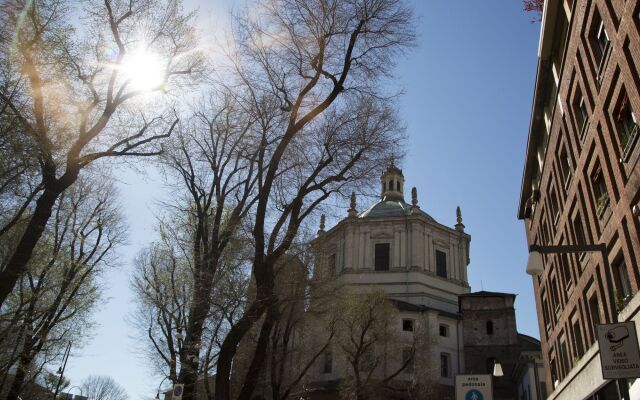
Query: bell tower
x=392 y=182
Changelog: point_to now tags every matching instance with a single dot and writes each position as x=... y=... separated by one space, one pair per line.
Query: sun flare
x=144 y=70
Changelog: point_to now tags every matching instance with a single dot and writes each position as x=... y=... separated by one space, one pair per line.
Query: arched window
x=489 y=327
x=391 y=184
x=398 y=186
x=384 y=187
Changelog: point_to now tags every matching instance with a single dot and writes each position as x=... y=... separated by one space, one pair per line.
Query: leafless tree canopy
x=97 y=387
x=66 y=99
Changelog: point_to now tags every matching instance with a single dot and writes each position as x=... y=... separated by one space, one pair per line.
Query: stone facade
x=421 y=266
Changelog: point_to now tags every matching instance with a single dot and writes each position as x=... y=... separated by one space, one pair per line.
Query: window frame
x=438 y=266
x=444 y=328
x=411 y=324
x=375 y=255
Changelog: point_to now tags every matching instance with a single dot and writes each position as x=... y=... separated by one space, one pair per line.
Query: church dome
x=393 y=208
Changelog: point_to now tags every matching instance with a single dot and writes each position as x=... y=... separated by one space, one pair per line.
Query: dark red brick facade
x=581 y=186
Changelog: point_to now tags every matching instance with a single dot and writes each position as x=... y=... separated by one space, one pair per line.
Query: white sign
x=619 y=353
x=176 y=394
x=474 y=387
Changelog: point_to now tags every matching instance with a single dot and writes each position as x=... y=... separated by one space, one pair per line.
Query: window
x=407 y=325
x=623 y=285
x=602 y=41
x=407 y=360
x=626 y=125
x=445 y=367
x=578 y=346
x=555 y=298
x=600 y=191
x=327 y=365
x=441 y=263
x=555 y=208
x=565 y=367
x=489 y=327
x=444 y=330
x=594 y=315
x=382 y=255
x=398 y=186
x=565 y=168
x=582 y=115
x=579 y=232
x=565 y=269
x=332 y=264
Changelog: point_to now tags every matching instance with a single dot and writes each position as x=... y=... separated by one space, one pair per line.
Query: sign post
x=178 y=389
x=474 y=387
x=619 y=352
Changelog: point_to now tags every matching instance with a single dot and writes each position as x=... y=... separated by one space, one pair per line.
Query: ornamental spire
x=459 y=225
x=322 y=220
x=352 y=210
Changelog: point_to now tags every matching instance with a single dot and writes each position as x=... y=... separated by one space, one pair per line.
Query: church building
x=397 y=248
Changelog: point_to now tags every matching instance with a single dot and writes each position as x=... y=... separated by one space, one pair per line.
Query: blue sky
x=468 y=90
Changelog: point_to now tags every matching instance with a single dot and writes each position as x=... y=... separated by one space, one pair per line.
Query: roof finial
x=322 y=220
x=414 y=196
x=352 y=210
x=459 y=225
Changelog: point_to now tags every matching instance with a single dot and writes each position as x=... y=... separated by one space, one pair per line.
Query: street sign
x=474 y=387
x=176 y=394
x=619 y=353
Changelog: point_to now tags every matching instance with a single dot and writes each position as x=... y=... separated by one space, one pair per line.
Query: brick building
x=580 y=183
x=489 y=334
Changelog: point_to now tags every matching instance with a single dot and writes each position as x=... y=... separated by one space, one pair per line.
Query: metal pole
x=65 y=358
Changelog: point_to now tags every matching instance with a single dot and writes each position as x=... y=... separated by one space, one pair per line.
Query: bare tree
x=365 y=336
x=310 y=74
x=163 y=282
x=74 y=95
x=54 y=298
x=97 y=387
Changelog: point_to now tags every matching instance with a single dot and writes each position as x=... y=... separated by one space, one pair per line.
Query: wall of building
x=412 y=274
x=582 y=176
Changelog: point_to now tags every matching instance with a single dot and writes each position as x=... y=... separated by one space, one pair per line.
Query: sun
x=144 y=70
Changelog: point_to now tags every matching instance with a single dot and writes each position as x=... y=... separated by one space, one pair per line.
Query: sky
x=468 y=92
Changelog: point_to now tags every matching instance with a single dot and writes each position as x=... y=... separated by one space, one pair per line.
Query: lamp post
x=75 y=387
x=535 y=267
x=159 y=386
x=65 y=358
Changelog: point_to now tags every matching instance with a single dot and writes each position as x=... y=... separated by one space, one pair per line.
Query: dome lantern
x=392 y=181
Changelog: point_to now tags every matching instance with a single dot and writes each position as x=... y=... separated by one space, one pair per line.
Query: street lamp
x=159 y=386
x=75 y=387
x=60 y=372
x=497 y=369
x=535 y=267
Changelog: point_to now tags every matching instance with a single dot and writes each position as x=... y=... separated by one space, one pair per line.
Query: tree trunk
x=251 y=378
x=21 y=373
x=198 y=312
x=230 y=346
x=17 y=264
